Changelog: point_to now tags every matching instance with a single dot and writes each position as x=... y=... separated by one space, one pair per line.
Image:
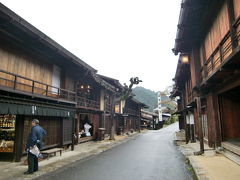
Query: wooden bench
x=52 y=151
x=85 y=139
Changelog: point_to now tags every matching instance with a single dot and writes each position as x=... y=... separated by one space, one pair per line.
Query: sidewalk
x=13 y=170
x=211 y=165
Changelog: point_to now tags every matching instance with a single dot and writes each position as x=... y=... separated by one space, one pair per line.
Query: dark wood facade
x=40 y=79
x=37 y=80
x=208 y=83
x=132 y=115
x=126 y=112
x=149 y=120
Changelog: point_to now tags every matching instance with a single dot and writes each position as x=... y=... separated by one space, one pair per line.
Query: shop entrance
x=85 y=126
x=7 y=136
x=229 y=103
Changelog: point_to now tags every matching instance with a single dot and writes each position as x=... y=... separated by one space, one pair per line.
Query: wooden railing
x=16 y=82
x=221 y=53
x=88 y=103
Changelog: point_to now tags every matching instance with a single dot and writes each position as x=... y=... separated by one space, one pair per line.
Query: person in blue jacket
x=35 y=137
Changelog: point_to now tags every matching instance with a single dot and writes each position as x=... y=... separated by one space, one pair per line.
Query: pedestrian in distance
x=34 y=145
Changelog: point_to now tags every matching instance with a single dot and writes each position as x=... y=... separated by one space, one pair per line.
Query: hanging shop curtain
x=8 y=108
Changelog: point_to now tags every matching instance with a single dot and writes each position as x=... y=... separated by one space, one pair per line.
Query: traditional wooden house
x=37 y=80
x=149 y=120
x=108 y=98
x=207 y=76
x=126 y=112
x=132 y=115
x=93 y=106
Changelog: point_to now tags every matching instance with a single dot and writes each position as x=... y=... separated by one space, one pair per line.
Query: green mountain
x=146 y=96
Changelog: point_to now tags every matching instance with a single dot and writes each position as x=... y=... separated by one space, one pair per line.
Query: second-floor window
x=56 y=78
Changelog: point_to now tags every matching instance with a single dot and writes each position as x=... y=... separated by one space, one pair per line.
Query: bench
x=85 y=139
x=52 y=151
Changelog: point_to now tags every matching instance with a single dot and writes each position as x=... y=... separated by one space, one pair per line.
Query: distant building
x=166 y=106
x=149 y=120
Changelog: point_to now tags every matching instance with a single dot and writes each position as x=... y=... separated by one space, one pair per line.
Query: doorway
x=7 y=136
x=229 y=104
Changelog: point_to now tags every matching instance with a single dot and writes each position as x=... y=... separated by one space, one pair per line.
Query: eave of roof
x=103 y=83
x=148 y=112
x=193 y=21
x=112 y=81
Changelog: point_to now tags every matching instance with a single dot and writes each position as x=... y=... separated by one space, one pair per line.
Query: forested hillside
x=146 y=96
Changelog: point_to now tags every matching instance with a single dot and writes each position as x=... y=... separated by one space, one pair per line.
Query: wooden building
x=111 y=115
x=207 y=77
x=149 y=120
x=41 y=79
x=132 y=115
x=126 y=112
x=94 y=96
x=37 y=80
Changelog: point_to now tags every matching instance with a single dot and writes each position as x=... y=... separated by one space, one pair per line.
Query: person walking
x=35 y=137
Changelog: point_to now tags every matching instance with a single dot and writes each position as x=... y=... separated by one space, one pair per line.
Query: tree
x=126 y=93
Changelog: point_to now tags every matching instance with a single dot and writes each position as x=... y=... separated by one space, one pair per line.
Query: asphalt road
x=150 y=156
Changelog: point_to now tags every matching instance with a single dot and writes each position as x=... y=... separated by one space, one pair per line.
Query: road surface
x=149 y=156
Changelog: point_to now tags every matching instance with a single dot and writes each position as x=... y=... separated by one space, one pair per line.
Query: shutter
x=67 y=131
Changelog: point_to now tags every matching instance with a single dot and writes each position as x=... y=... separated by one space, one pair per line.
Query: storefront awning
x=9 y=108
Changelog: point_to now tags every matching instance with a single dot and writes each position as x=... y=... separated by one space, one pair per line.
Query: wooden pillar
x=18 y=138
x=77 y=126
x=186 y=127
x=112 y=112
x=61 y=132
x=199 y=114
x=73 y=132
x=124 y=123
x=218 y=136
x=213 y=119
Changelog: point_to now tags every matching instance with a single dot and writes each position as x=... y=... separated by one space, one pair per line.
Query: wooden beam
x=199 y=120
x=213 y=120
x=18 y=138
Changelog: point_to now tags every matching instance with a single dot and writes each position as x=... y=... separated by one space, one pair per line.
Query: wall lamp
x=184 y=58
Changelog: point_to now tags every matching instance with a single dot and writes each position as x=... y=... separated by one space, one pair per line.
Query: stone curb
x=199 y=171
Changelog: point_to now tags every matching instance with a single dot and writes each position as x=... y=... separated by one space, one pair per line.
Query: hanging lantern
x=184 y=58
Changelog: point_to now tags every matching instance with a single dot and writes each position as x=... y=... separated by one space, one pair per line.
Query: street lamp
x=184 y=58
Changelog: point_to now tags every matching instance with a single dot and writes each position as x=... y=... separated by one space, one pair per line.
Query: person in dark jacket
x=35 y=137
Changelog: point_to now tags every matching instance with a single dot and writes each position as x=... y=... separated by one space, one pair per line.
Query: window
x=56 y=79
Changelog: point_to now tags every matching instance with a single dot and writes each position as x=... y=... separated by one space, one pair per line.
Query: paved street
x=150 y=156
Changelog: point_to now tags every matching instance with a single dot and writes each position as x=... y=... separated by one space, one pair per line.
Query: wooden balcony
x=222 y=55
x=18 y=84
x=85 y=103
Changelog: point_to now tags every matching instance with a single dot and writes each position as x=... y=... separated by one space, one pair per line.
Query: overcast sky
x=119 y=38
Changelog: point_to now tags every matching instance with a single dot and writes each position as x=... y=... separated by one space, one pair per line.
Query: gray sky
x=119 y=38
